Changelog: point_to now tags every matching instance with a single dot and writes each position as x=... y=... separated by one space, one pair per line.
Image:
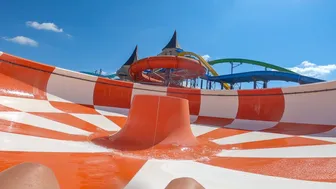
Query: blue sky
x=88 y=35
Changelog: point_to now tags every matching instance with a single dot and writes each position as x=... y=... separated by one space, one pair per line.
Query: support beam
x=265 y=84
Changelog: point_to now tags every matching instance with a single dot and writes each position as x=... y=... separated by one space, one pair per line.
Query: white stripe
x=249 y=137
x=1 y=53
x=327 y=139
x=17 y=142
x=99 y=121
x=193 y=118
x=37 y=121
x=65 y=89
x=28 y=105
x=105 y=110
x=252 y=125
x=157 y=174
x=201 y=129
x=148 y=89
x=318 y=151
x=56 y=98
x=219 y=106
x=311 y=108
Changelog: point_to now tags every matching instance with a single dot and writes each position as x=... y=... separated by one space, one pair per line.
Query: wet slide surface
x=271 y=138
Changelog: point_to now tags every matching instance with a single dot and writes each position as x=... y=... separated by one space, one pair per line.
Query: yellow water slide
x=206 y=64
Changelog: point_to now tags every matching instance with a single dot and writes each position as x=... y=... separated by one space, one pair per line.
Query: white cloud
x=206 y=57
x=44 y=26
x=307 y=64
x=22 y=41
x=312 y=70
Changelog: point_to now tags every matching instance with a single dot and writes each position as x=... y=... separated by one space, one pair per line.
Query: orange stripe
x=264 y=107
x=19 y=81
x=213 y=121
x=113 y=93
x=80 y=170
x=74 y=108
x=312 y=169
x=23 y=82
x=70 y=120
x=222 y=133
x=192 y=95
x=120 y=121
x=299 y=128
x=26 y=62
x=277 y=143
x=7 y=109
x=19 y=128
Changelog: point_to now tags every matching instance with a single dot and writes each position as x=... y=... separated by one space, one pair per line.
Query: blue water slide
x=263 y=76
x=96 y=74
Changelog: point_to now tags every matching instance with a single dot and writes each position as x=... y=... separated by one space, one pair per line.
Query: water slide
x=158 y=62
x=264 y=76
x=111 y=76
x=248 y=61
x=94 y=132
x=205 y=63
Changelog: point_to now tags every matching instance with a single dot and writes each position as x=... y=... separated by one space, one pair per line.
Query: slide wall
x=282 y=137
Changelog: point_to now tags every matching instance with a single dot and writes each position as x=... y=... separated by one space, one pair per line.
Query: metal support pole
x=207 y=85
x=265 y=84
x=167 y=74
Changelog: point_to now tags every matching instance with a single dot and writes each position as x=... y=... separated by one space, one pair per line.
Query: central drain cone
x=153 y=121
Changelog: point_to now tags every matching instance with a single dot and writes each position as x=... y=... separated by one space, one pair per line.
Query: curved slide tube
x=82 y=127
x=158 y=62
x=111 y=76
x=252 y=62
x=264 y=76
x=204 y=62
